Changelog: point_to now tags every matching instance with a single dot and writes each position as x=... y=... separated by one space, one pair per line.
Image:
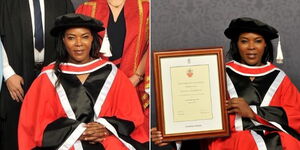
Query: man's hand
x=14 y=85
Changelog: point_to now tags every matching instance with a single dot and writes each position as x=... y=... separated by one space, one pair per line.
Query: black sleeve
x=278 y=115
x=275 y=114
x=57 y=132
x=124 y=129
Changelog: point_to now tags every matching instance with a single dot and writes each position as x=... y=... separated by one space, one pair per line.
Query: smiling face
x=78 y=42
x=251 y=48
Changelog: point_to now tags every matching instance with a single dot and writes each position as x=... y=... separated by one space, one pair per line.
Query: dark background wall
x=177 y=24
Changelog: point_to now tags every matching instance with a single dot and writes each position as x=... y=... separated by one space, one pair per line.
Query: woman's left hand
x=135 y=80
x=95 y=132
x=240 y=106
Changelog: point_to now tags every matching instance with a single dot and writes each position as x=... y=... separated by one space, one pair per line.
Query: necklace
x=115 y=4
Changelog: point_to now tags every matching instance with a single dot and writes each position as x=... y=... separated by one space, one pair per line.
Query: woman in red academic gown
x=264 y=104
x=80 y=101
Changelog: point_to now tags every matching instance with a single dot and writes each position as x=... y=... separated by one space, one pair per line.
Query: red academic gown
x=53 y=117
x=136 y=13
x=276 y=103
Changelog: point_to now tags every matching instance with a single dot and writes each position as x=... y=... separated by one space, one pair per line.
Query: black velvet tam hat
x=75 y=20
x=242 y=25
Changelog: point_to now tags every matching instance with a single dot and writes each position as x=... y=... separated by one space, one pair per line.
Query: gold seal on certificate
x=190 y=94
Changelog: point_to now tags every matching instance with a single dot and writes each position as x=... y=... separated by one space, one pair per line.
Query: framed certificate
x=190 y=94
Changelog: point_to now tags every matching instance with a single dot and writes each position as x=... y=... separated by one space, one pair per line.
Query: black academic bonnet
x=75 y=20
x=242 y=25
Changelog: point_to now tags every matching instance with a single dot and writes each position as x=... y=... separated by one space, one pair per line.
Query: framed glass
x=190 y=93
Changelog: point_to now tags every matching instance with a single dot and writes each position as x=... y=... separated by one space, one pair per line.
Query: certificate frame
x=169 y=65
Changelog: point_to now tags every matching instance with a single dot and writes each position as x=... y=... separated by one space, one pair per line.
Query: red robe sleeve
x=37 y=112
x=288 y=97
x=121 y=102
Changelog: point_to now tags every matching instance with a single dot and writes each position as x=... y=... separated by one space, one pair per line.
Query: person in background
x=263 y=104
x=127 y=23
x=90 y=104
x=24 y=30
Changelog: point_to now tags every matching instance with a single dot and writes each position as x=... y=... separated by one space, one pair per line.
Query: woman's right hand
x=156 y=137
x=241 y=107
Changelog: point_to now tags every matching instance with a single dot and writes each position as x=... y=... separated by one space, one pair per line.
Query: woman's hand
x=240 y=106
x=135 y=80
x=95 y=132
x=14 y=85
x=156 y=137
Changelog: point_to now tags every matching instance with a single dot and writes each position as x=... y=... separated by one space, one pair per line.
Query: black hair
x=234 y=53
x=62 y=54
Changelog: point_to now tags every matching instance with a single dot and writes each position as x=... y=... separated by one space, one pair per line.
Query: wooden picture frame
x=190 y=93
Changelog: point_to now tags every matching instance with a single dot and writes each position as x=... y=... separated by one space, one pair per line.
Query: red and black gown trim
x=254 y=92
x=82 y=99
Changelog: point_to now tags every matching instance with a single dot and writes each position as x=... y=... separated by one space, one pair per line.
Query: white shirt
x=7 y=70
x=38 y=56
